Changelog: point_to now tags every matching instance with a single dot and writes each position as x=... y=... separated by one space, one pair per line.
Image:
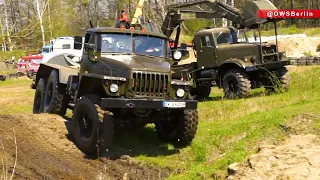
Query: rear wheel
x=93 y=134
x=39 y=97
x=281 y=83
x=178 y=129
x=53 y=99
x=236 y=84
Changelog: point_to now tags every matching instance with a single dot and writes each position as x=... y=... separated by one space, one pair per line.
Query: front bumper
x=269 y=66
x=147 y=103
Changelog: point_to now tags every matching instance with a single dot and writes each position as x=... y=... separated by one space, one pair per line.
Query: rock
x=233 y=168
x=297 y=158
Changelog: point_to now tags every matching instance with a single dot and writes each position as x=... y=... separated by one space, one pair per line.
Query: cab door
x=206 y=52
x=88 y=54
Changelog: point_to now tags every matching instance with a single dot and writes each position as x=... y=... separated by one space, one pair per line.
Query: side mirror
x=77 y=42
x=89 y=46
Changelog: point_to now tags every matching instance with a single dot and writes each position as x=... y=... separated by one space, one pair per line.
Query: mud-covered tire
x=236 y=84
x=98 y=136
x=39 y=97
x=179 y=129
x=53 y=98
x=282 y=82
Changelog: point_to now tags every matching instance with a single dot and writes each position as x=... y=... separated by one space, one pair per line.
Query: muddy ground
x=46 y=151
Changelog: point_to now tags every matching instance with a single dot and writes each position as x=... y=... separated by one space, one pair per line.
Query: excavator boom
x=216 y=9
x=138 y=12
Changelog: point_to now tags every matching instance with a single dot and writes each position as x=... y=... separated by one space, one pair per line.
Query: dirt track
x=44 y=151
x=295 y=157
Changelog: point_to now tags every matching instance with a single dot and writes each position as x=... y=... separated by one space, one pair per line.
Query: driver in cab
x=149 y=47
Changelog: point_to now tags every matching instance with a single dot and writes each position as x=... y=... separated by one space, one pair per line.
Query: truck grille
x=150 y=84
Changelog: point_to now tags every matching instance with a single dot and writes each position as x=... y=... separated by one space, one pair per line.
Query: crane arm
x=191 y=10
x=138 y=12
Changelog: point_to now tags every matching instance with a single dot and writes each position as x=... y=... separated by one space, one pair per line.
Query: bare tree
x=224 y=21
x=7 y=25
x=40 y=12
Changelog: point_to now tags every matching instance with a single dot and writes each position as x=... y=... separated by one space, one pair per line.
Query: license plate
x=174 y=104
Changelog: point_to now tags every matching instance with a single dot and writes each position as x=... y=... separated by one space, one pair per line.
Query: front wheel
x=179 y=128
x=236 y=84
x=92 y=135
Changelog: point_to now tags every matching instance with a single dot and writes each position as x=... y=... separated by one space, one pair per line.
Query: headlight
x=114 y=88
x=177 y=55
x=180 y=92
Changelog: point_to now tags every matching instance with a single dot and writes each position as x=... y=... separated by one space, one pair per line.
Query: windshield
x=231 y=37
x=45 y=50
x=36 y=61
x=116 y=43
x=224 y=37
x=123 y=43
x=150 y=46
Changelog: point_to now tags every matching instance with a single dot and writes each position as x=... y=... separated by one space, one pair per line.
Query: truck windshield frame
x=116 y=43
x=231 y=37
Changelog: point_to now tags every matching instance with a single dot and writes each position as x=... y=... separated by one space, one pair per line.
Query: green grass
x=8 y=54
x=9 y=71
x=293 y=30
x=16 y=96
x=228 y=131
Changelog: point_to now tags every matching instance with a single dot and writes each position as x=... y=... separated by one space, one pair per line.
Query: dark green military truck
x=124 y=78
x=223 y=56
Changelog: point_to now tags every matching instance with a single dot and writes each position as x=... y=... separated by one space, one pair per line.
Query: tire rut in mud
x=44 y=151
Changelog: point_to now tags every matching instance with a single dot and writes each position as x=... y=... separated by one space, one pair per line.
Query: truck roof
x=127 y=31
x=212 y=30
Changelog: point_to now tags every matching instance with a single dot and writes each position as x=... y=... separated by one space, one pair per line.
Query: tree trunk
x=3 y=40
x=7 y=26
x=39 y=13
x=224 y=21
x=50 y=25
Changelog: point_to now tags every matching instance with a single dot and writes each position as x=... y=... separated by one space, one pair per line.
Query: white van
x=63 y=45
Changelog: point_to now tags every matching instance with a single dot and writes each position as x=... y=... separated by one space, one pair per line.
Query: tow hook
x=130 y=105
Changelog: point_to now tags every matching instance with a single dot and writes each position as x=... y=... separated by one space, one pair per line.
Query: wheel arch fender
x=63 y=72
x=228 y=65
x=88 y=84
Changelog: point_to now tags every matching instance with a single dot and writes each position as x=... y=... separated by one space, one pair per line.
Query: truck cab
x=142 y=59
x=217 y=45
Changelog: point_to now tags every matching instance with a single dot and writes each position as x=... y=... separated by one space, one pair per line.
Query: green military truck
x=224 y=57
x=124 y=78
